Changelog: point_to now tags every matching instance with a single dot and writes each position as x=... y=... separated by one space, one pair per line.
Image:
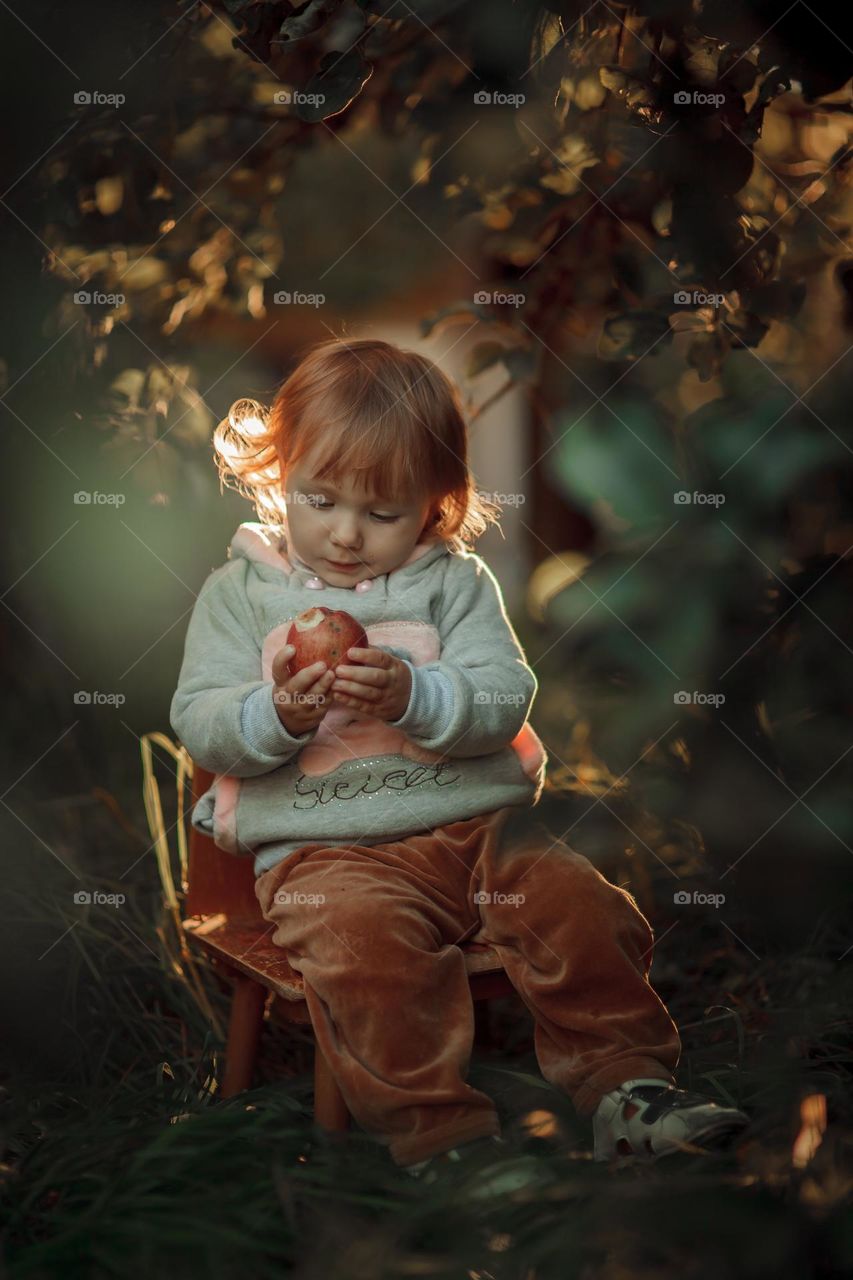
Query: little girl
x=373 y=797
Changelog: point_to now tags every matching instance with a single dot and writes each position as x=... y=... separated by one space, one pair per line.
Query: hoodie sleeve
x=491 y=684
x=222 y=711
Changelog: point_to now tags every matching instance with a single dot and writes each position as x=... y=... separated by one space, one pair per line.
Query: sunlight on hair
x=387 y=417
x=248 y=417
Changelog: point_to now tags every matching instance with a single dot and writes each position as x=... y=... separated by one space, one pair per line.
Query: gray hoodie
x=462 y=747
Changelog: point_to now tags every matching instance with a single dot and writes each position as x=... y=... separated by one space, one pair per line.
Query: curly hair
x=387 y=419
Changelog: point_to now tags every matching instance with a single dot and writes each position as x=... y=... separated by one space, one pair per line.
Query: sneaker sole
x=714 y=1136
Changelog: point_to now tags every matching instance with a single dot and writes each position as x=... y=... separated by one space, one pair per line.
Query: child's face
x=335 y=525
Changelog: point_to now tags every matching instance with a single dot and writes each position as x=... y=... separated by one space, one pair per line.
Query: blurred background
x=625 y=230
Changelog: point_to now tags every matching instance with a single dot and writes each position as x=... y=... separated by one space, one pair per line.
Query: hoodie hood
x=269 y=546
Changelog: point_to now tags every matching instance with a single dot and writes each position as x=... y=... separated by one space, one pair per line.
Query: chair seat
x=246 y=945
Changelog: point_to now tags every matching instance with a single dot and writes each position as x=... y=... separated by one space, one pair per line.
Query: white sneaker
x=647 y=1119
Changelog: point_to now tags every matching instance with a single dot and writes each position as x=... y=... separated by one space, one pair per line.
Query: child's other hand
x=380 y=685
x=302 y=700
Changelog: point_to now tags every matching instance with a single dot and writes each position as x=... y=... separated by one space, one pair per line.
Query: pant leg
x=372 y=931
x=578 y=951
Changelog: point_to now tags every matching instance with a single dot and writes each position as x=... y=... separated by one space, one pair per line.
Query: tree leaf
x=632 y=334
x=311 y=18
x=455 y=311
x=338 y=80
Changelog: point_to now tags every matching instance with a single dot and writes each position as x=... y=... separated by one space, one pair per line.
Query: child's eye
x=319 y=504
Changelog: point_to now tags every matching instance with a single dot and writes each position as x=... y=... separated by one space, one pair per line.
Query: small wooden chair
x=222 y=916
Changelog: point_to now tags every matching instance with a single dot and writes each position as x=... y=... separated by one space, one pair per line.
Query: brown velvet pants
x=374 y=931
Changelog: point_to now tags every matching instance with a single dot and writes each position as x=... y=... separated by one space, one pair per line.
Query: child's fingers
x=370 y=657
x=365 y=656
x=280 y=663
x=307 y=677
x=368 y=692
x=365 y=675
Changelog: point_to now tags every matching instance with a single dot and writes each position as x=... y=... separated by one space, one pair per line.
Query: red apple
x=323 y=635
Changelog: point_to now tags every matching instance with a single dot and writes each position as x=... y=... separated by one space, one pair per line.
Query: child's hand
x=302 y=700
x=380 y=685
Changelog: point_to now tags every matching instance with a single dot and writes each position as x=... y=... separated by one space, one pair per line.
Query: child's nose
x=346 y=534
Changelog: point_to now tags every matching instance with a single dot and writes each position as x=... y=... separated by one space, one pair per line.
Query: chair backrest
x=217 y=881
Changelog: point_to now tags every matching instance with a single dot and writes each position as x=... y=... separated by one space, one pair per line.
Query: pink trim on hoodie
x=345 y=734
x=530 y=750
x=260 y=542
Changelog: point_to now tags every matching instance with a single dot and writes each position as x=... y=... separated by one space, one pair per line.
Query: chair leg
x=484 y=1036
x=330 y=1110
x=244 y=1034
